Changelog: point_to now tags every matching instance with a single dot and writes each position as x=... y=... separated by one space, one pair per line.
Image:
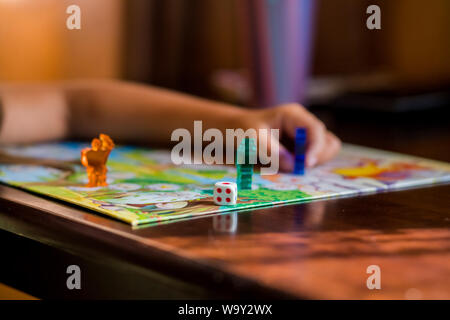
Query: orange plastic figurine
x=94 y=159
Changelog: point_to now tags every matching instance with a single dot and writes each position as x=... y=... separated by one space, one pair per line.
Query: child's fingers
x=286 y=160
x=294 y=116
x=332 y=147
x=272 y=146
x=321 y=144
x=315 y=143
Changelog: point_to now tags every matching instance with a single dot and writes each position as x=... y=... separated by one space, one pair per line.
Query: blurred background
x=254 y=53
x=205 y=47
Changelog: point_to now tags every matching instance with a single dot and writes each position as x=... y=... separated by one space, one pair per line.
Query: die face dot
x=228 y=199
x=219 y=199
x=219 y=190
x=226 y=183
x=228 y=190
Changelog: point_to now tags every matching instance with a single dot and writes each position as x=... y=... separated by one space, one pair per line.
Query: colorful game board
x=145 y=187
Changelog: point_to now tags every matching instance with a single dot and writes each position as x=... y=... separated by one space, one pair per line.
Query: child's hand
x=322 y=145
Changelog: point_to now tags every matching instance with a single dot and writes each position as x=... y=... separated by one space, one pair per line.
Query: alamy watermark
x=374 y=280
x=74 y=19
x=374 y=20
x=74 y=280
x=213 y=153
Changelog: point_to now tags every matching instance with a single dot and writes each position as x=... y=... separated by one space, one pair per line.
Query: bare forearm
x=132 y=112
x=32 y=113
x=82 y=109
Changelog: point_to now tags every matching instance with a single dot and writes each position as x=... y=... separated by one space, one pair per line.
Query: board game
x=145 y=187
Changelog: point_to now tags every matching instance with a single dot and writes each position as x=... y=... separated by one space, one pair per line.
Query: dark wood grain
x=312 y=250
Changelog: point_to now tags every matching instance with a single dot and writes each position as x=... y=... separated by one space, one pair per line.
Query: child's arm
x=140 y=113
x=32 y=113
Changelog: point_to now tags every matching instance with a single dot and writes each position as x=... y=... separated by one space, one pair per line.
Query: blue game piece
x=300 y=150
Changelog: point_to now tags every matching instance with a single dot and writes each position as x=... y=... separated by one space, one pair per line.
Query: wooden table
x=313 y=250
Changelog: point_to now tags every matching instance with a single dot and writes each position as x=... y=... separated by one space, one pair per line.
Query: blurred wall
x=181 y=43
x=414 y=41
x=343 y=45
x=191 y=40
x=418 y=44
x=36 y=45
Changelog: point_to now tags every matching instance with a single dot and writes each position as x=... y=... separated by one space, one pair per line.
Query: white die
x=225 y=193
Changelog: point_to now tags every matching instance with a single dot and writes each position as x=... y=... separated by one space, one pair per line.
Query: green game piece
x=245 y=160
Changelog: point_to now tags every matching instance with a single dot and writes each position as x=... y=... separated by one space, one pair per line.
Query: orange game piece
x=94 y=159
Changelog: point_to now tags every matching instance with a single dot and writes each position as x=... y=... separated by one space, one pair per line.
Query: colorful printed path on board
x=145 y=187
